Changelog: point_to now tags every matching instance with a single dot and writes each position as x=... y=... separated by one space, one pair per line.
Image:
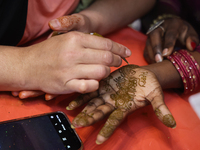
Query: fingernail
x=165 y=52
x=158 y=58
x=128 y=52
x=55 y=23
x=72 y=126
x=193 y=44
x=174 y=127
x=15 y=93
x=98 y=143
x=48 y=97
x=68 y=108
x=22 y=95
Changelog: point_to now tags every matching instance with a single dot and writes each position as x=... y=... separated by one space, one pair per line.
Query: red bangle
x=188 y=69
x=194 y=67
x=173 y=58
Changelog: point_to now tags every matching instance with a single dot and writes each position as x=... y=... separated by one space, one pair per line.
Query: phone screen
x=46 y=132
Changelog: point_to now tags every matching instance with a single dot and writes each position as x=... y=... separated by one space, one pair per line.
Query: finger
x=111 y=124
x=15 y=93
x=156 y=43
x=92 y=113
x=80 y=86
x=65 y=23
x=171 y=35
x=82 y=99
x=192 y=39
x=148 y=53
x=188 y=36
x=160 y=109
x=50 y=96
x=91 y=56
x=100 y=43
x=192 y=42
x=27 y=94
x=96 y=72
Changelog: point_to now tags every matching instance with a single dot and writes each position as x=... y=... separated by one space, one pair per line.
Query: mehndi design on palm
x=124 y=91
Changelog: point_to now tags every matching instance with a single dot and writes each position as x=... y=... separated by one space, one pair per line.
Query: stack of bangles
x=188 y=69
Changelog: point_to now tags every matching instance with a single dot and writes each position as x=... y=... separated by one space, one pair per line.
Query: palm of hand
x=124 y=91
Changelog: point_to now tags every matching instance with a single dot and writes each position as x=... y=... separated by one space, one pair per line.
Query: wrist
x=89 y=22
x=12 y=68
x=166 y=73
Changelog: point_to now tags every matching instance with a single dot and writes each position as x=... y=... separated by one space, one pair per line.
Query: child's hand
x=125 y=90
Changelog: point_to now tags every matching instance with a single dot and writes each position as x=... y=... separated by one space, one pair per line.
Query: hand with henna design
x=161 y=43
x=125 y=90
x=103 y=17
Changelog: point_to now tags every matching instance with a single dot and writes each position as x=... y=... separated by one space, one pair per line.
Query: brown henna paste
x=67 y=21
x=81 y=119
x=111 y=124
x=124 y=97
x=167 y=120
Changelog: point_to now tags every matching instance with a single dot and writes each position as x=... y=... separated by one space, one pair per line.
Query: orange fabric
x=141 y=130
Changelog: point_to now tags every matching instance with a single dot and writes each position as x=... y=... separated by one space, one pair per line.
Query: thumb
x=64 y=23
x=160 y=109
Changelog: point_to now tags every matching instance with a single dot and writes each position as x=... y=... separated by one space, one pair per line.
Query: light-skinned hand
x=70 y=63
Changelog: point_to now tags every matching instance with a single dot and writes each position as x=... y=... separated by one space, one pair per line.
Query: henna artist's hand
x=125 y=90
x=74 y=64
x=74 y=22
x=62 y=24
x=28 y=94
x=160 y=44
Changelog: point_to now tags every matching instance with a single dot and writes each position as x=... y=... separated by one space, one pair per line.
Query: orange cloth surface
x=141 y=130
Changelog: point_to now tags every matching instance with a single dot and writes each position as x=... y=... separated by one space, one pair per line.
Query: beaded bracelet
x=188 y=69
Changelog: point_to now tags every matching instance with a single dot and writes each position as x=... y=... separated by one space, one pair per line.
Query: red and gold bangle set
x=188 y=69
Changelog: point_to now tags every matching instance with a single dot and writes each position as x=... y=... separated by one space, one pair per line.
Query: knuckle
x=73 y=36
x=171 y=35
x=108 y=57
x=118 y=61
x=83 y=87
x=108 y=44
x=157 y=48
x=103 y=72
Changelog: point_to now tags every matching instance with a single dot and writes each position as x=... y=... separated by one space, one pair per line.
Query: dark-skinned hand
x=125 y=90
x=177 y=33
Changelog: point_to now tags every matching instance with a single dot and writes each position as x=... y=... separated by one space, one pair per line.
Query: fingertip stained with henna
x=167 y=120
x=67 y=21
x=81 y=120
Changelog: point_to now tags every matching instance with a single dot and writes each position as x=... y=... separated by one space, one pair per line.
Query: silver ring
x=162 y=29
x=155 y=26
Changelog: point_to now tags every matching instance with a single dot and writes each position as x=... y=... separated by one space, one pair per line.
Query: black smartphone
x=50 y=131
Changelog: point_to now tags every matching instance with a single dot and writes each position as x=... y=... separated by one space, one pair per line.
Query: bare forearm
x=11 y=66
x=109 y=15
x=167 y=74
